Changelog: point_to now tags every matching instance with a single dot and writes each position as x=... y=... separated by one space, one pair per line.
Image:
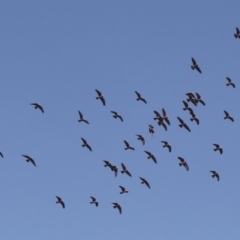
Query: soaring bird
x=199 y=99
x=215 y=174
x=59 y=200
x=1 y=154
x=218 y=148
x=183 y=124
x=101 y=97
x=194 y=118
x=230 y=82
x=195 y=66
x=81 y=118
x=144 y=181
x=139 y=97
x=128 y=146
x=166 y=144
x=85 y=144
x=165 y=116
x=141 y=138
x=116 y=115
x=150 y=155
x=125 y=170
x=123 y=190
x=94 y=201
x=183 y=163
x=115 y=170
x=151 y=129
x=38 y=106
x=237 y=34
x=118 y=206
x=227 y=116
x=29 y=159
x=187 y=107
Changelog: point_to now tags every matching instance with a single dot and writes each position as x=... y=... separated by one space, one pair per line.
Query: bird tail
x=180 y=164
x=192 y=67
x=212 y=176
x=227 y=84
x=191 y=119
x=184 y=109
x=121 y=192
x=180 y=125
x=115 y=116
x=125 y=148
x=122 y=171
x=215 y=149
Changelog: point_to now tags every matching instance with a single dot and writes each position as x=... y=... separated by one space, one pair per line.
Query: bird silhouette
x=101 y=97
x=166 y=144
x=38 y=106
x=237 y=34
x=195 y=66
x=144 y=181
x=141 y=138
x=199 y=99
x=218 y=148
x=123 y=190
x=81 y=118
x=29 y=159
x=128 y=146
x=125 y=170
x=116 y=115
x=165 y=116
x=151 y=129
x=230 y=82
x=187 y=107
x=59 y=200
x=94 y=201
x=183 y=124
x=227 y=116
x=215 y=174
x=183 y=163
x=85 y=144
x=194 y=118
x=150 y=155
x=140 y=98
x=118 y=206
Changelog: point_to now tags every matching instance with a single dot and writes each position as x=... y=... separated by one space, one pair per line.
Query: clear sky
x=56 y=53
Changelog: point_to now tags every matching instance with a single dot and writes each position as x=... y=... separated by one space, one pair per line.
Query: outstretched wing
x=98 y=92
x=180 y=120
x=193 y=61
x=198 y=69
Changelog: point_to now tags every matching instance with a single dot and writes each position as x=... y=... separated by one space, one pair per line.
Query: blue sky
x=57 y=53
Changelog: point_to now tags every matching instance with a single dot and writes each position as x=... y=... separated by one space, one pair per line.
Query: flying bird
x=128 y=146
x=150 y=155
x=29 y=159
x=59 y=200
x=195 y=66
x=123 y=190
x=237 y=34
x=125 y=170
x=101 y=97
x=94 y=201
x=118 y=206
x=166 y=144
x=165 y=116
x=85 y=144
x=199 y=99
x=38 y=106
x=215 y=174
x=183 y=163
x=230 y=82
x=144 y=181
x=81 y=118
x=187 y=107
x=218 y=148
x=141 y=138
x=139 y=97
x=227 y=116
x=183 y=124
x=116 y=115
x=194 y=118
x=192 y=98
x=151 y=129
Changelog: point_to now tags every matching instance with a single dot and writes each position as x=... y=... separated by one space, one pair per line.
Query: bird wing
x=119 y=208
x=198 y=96
x=33 y=162
x=41 y=108
x=63 y=204
x=180 y=120
x=229 y=79
x=143 y=99
x=226 y=113
x=198 y=69
x=157 y=114
x=146 y=182
x=58 y=198
x=181 y=159
x=170 y=148
x=123 y=166
x=148 y=153
x=1 y=154
x=164 y=125
x=103 y=101
x=186 y=126
x=237 y=30
x=93 y=198
x=26 y=156
x=80 y=115
x=218 y=177
x=98 y=92
x=193 y=61
x=89 y=147
x=167 y=120
x=114 y=112
x=221 y=150
x=231 y=118
x=128 y=173
x=164 y=112
x=126 y=143
x=233 y=85
x=216 y=145
x=186 y=166
x=154 y=159
x=120 y=118
x=138 y=94
x=84 y=141
x=185 y=104
x=213 y=172
x=122 y=188
x=197 y=120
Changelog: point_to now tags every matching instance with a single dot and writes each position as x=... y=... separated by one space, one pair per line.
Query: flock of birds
x=162 y=119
